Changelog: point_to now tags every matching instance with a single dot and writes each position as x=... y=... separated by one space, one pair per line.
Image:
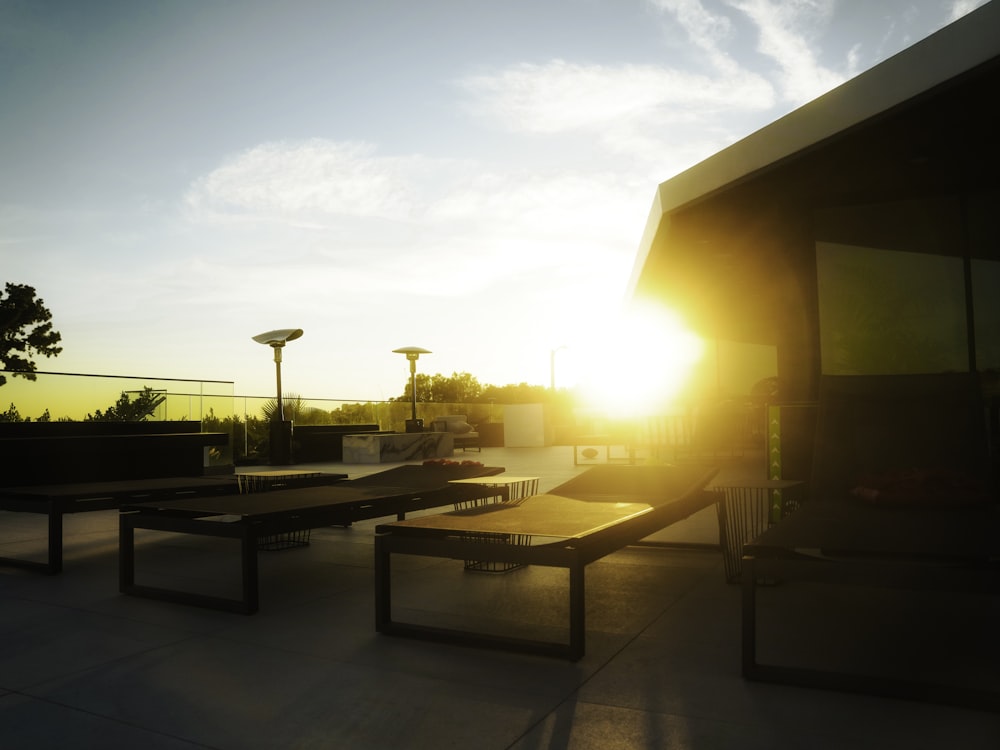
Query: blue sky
x=469 y=177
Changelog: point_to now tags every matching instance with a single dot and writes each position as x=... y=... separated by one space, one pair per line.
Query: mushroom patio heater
x=412 y=355
x=281 y=430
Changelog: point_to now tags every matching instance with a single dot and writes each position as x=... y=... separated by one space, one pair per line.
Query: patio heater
x=281 y=430
x=412 y=355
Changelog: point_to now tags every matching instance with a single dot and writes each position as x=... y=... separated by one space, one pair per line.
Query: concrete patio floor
x=83 y=667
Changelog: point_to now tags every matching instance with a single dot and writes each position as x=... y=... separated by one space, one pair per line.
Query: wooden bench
x=584 y=519
x=249 y=518
x=56 y=468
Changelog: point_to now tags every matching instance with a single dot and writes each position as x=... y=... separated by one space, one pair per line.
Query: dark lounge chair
x=251 y=518
x=902 y=497
x=578 y=522
x=58 y=500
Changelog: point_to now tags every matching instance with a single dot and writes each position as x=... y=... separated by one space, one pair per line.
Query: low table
x=395 y=447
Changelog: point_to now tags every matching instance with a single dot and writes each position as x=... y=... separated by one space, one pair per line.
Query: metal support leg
x=383 y=586
x=55 y=539
x=577 y=611
x=126 y=553
x=248 y=551
x=749 y=619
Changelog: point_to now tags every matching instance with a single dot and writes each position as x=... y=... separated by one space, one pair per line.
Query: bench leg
x=383 y=586
x=126 y=553
x=55 y=539
x=247 y=536
x=248 y=551
x=749 y=619
x=577 y=611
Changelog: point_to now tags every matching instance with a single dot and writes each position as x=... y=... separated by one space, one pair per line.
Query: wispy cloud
x=314 y=178
x=788 y=33
x=560 y=96
x=375 y=214
x=960 y=8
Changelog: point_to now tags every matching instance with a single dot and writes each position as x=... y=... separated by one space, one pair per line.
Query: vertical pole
x=280 y=413
x=413 y=388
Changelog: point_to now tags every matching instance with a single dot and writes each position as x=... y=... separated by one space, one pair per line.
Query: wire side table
x=746 y=510
x=510 y=489
x=263 y=481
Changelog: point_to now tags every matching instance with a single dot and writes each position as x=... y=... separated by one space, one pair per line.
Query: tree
x=13 y=415
x=25 y=330
x=522 y=393
x=294 y=409
x=460 y=388
x=127 y=410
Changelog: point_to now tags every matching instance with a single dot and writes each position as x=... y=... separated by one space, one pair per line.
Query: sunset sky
x=469 y=177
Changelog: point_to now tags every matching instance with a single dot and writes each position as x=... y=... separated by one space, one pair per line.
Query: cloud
x=788 y=34
x=960 y=8
x=560 y=96
x=708 y=32
x=390 y=224
x=313 y=178
x=650 y=121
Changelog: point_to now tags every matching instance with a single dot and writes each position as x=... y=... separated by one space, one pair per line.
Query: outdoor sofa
x=465 y=435
x=902 y=497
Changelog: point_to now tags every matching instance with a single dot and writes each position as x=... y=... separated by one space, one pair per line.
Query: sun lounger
x=249 y=518
x=57 y=500
x=588 y=517
x=928 y=522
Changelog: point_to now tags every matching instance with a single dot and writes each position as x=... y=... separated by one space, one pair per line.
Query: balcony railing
x=214 y=404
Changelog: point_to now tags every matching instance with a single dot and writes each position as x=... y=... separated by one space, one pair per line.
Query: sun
x=637 y=362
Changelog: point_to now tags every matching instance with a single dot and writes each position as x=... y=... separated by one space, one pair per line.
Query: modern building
x=858 y=234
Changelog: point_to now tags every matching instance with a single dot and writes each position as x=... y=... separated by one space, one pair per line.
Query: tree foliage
x=25 y=330
x=13 y=415
x=463 y=388
x=522 y=393
x=126 y=409
x=460 y=388
x=294 y=409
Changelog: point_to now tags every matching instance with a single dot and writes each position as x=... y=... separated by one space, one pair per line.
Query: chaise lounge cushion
x=456 y=423
x=925 y=488
x=902 y=431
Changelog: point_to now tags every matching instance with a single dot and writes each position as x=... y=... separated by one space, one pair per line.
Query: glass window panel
x=986 y=296
x=890 y=312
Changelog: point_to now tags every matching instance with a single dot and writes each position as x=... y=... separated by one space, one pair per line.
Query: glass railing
x=58 y=396
x=78 y=397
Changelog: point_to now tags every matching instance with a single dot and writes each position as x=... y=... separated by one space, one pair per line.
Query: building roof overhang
x=917 y=125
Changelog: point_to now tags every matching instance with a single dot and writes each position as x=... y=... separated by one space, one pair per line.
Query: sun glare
x=638 y=363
